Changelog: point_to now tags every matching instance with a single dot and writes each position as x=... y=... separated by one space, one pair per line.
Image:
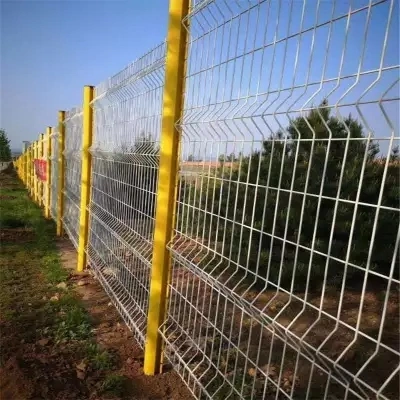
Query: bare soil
x=34 y=364
x=112 y=333
x=6 y=197
x=16 y=234
x=42 y=369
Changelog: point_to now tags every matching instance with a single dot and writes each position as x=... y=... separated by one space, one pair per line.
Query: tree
x=5 y=150
x=302 y=197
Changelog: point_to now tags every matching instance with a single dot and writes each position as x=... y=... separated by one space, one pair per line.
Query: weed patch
x=114 y=384
x=98 y=358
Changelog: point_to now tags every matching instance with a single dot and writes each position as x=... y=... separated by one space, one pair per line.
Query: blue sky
x=251 y=69
x=51 y=49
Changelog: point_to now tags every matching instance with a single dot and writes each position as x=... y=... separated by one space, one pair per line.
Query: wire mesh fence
x=285 y=276
x=72 y=185
x=285 y=249
x=54 y=174
x=127 y=114
x=44 y=160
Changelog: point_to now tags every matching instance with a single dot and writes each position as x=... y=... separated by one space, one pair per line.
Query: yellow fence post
x=19 y=167
x=28 y=184
x=169 y=152
x=25 y=155
x=35 y=147
x=41 y=183
x=21 y=161
x=61 y=172
x=48 y=173
x=85 y=176
x=31 y=169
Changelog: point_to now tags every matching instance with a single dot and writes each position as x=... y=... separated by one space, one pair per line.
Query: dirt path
x=60 y=337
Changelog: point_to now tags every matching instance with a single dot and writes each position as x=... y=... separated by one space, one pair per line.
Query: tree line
x=317 y=203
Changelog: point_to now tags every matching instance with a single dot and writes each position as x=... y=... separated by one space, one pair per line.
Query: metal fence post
x=35 y=150
x=61 y=172
x=25 y=157
x=28 y=184
x=85 y=176
x=41 y=184
x=48 y=173
x=31 y=169
x=169 y=152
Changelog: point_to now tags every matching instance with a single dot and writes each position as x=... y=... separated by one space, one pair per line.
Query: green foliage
x=99 y=359
x=299 y=200
x=5 y=150
x=52 y=268
x=73 y=324
x=114 y=384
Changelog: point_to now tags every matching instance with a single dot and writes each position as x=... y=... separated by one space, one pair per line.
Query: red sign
x=40 y=169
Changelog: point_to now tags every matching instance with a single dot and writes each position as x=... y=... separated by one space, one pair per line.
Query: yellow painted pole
x=48 y=173
x=35 y=148
x=26 y=167
x=61 y=172
x=41 y=183
x=36 y=177
x=28 y=184
x=85 y=176
x=31 y=169
x=169 y=152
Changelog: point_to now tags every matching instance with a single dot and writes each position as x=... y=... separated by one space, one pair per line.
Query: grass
x=114 y=384
x=98 y=358
x=31 y=305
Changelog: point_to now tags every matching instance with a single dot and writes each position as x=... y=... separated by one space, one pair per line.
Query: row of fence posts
x=40 y=191
x=166 y=192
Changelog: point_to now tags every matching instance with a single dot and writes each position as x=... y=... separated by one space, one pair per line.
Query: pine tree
x=278 y=214
x=5 y=150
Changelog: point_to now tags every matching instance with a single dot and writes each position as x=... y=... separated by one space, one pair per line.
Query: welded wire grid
x=54 y=137
x=43 y=183
x=285 y=278
x=73 y=167
x=125 y=159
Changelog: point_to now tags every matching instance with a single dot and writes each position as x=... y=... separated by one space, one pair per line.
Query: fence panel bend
x=285 y=254
x=125 y=159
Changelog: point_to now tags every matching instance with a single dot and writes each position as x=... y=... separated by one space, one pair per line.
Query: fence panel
x=44 y=159
x=125 y=159
x=73 y=161
x=285 y=275
x=54 y=174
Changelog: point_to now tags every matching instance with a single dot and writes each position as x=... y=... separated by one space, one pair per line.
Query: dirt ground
x=61 y=339
x=112 y=333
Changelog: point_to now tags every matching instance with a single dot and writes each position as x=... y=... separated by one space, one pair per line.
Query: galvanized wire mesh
x=44 y=157
x=125 y=158
x=73 y=164
x=54 y=174
x=285 y=280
